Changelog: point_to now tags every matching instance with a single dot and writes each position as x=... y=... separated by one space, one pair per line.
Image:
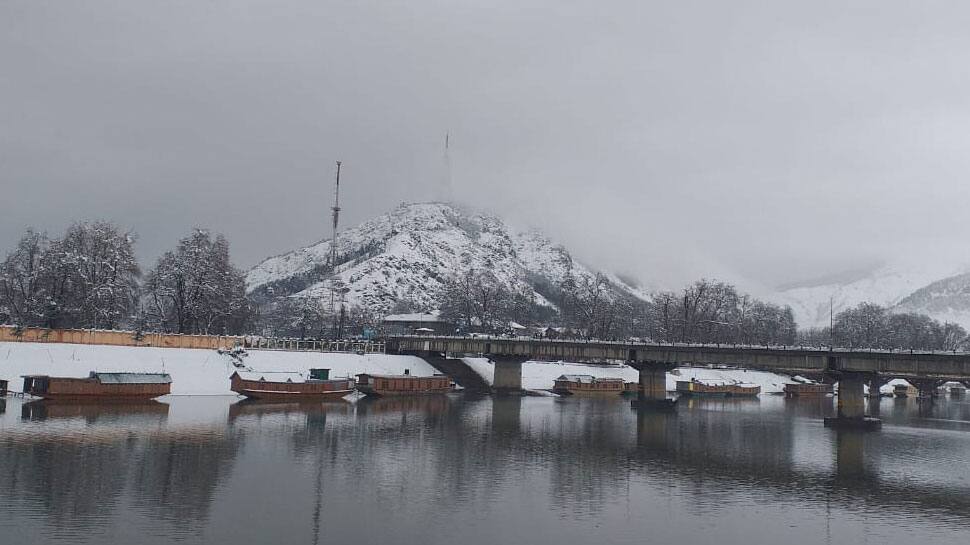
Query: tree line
x=594 y=307
x=90 y=278
x=868 y=325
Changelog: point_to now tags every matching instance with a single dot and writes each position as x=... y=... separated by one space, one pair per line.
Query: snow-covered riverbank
x=206 y=372
x=194 y=371
x=540 y=375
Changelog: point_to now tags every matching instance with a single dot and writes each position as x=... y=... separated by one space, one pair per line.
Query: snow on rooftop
x=132 y=378
x=587 y=379
x=414 y=317
x=272 y=376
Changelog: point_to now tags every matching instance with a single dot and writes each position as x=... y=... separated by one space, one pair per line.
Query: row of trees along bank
x=593 y=307
x=869 y=325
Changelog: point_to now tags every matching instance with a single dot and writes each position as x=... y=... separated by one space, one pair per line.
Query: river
x=510 y=470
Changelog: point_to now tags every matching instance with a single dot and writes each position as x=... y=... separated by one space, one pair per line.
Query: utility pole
x=831 y=322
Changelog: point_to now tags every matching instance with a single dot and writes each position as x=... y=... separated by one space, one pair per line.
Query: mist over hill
x=407 y=255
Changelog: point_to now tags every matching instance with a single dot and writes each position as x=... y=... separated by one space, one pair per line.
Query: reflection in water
x=76 y=463
x=435 y=469
x=850 y=460
x=146 y=411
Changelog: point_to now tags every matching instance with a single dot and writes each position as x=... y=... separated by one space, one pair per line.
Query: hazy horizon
x=766 y=144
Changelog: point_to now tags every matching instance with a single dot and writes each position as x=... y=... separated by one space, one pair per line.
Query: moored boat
x=388 y=385
x=696 y=387
x=289 y=386
x=587 y=385
x=100 y=386
x=905 y=390
x=631 y=388
x=807 y=389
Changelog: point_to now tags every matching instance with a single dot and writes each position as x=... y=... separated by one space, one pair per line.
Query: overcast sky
x=765 y=142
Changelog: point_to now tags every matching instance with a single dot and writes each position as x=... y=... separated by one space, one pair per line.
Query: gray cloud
x=757 y=141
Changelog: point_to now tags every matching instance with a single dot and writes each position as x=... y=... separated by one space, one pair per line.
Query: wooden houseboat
x=802 y=389
x=100 y=386
x=957 y=390
x=280 y=386
x=905 y=390
x=587 y=385
x=695 y=387
x=389 y=385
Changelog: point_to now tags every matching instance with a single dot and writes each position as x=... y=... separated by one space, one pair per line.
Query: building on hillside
x=418 y=324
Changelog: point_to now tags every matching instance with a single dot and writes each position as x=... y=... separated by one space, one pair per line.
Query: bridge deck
x=925 y=365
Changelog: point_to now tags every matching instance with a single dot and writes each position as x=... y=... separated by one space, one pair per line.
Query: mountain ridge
x=409 y=252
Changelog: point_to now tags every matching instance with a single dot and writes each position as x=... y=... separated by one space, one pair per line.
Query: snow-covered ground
x=194 y=371
x=538 y=375
x=206 y=372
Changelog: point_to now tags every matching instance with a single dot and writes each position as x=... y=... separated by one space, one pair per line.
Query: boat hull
x=265 y=395
x=382 y=392
x=90 y=390
x=291 y=391
x=808 y=390
x=403 y=385
x=690 y=388
x=588 y=393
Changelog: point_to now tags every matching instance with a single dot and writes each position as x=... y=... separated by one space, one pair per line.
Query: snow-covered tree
x=98 y=261
x=21 y=276
x=196 y=289
x=868 y=325
x=87 y=278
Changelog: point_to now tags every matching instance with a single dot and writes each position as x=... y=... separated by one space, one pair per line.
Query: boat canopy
x=587 y=379
x=132 y=378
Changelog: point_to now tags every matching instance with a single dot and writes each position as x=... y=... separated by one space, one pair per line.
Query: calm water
x=474 y=471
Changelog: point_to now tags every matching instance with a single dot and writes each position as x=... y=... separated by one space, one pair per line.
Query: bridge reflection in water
x=504 y=465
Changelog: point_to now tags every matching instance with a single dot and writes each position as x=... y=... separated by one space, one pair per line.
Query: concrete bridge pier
x=851 y=411
x=653 y=385
x=875 y=383
x=928 y=388
x=508 y=374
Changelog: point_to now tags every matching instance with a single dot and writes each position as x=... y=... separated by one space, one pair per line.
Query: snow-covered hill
x=947 y=300
x=888 y=285
x=408 y=253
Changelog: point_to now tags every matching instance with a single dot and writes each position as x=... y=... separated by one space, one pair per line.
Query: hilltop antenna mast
x=444 y=186
x=333 y=239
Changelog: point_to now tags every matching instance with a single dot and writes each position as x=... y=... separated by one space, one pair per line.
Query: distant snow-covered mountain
x=888 y=285
x=947 y=300
x=408 y=253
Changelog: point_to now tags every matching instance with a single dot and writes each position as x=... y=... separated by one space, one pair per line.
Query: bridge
x=852 y=369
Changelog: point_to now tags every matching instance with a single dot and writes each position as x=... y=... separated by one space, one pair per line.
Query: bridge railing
x=357 y=346
x=635 y=344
